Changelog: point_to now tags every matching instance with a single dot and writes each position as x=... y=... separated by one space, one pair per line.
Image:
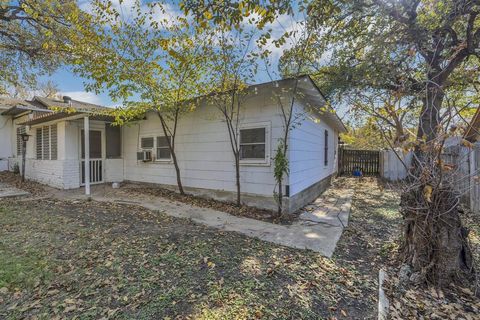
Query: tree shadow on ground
x=118 y=261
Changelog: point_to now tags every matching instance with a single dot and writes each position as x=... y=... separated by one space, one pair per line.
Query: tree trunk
x=435 y=242
x=177 y=171
x=171 y=147
x=280 y=199
x=237 y=176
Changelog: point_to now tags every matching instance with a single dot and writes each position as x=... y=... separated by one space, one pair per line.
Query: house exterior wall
x=62 y=173
x=6 y=147
x=204 y=152
x=308 y=174
x=114 y=170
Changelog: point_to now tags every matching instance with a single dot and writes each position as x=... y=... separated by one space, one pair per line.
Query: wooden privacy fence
x=368 y=161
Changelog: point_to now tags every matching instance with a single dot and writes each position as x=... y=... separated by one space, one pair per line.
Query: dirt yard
x=88 y=260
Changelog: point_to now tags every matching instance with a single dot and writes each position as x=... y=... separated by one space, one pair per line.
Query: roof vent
x=67 y=99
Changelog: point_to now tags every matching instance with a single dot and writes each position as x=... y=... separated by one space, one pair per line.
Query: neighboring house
x=55 y=149
x=13 y=112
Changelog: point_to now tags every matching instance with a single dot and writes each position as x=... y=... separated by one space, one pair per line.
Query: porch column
x=86 y=130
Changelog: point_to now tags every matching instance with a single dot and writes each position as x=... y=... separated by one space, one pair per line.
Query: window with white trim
x=163 y=151
x=46 y=142
x=146 y=143
x=254 y=143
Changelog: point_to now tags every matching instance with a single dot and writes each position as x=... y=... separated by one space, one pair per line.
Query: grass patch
x=22 y=271
x=94 y=260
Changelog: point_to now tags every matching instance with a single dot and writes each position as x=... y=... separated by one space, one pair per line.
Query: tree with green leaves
x=414 y=49
x=233 y=65
x=299 y=38
x=150 y=61
x=36 y=37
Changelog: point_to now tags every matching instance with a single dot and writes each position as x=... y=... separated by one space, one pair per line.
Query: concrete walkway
x=7 y=191
x=319 y=229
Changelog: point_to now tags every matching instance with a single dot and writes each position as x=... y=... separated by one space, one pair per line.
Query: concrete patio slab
x=320 y=235
x=7 y=191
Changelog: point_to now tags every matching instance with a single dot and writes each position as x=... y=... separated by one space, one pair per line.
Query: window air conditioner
x=145 y=155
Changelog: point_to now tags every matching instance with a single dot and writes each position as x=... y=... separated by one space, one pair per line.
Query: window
x=20 y=130
x=254 y=144
x=53 y=142
x=113 y=141
x=326 y=148
x=146 y=143
x=46 y=143
x=95 y=143
x=163 y=151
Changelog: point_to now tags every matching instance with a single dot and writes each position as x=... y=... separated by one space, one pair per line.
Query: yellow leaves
x=427 y=193
x=207 y=15
x=447 y=166
x=467 y=144
x=164 y=44
x=209 y=263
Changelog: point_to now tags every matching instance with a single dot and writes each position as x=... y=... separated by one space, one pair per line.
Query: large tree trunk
x=435 y=243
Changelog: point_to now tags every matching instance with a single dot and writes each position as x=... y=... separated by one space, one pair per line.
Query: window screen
x=163 y=151
x=252 y=143
x=114 y=141
x=146 y=143
x=95 y=138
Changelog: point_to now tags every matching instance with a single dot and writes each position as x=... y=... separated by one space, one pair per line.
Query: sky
x=72 y=85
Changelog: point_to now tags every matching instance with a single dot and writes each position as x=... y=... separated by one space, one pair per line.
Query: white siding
x=62 y=173
x=203 y=150
x=113 y=170
x=307 y=151
x=6 y=136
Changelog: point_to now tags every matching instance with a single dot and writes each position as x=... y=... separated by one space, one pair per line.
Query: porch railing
x=96 y=170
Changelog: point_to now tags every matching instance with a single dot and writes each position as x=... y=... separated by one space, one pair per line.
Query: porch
x=56 y=151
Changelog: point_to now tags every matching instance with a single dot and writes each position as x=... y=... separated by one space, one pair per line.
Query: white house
x=55 y=150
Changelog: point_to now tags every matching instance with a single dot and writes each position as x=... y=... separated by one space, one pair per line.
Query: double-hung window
x=163 y=150
x=146 y=143
x=254 y=144
x=158 y=145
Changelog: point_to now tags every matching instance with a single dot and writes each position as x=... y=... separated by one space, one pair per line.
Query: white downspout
x=86 y=134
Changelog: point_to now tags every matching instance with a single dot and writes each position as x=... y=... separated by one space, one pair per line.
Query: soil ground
x=88 y=260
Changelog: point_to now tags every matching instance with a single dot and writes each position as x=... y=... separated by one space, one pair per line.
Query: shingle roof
x=8 y=103
x=75 y=104
x=12 y=107
x=72 y=108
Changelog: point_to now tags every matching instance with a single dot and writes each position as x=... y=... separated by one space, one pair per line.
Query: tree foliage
x=232 y=64
x=38 y=36
x=424 y=52
x=150 y=61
